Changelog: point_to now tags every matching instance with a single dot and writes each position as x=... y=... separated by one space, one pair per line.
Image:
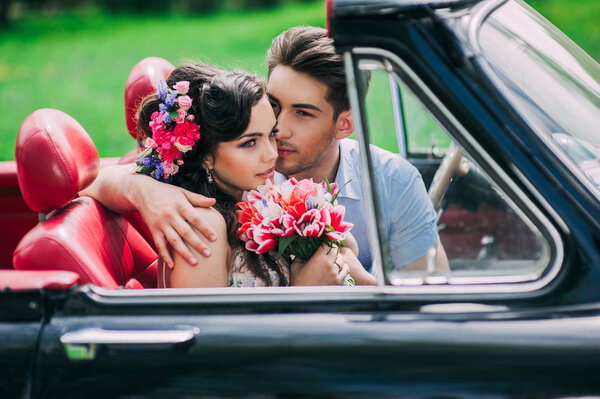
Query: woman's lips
x=267 y=174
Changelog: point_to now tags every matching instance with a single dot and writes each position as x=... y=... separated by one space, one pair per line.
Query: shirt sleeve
x=411 y=219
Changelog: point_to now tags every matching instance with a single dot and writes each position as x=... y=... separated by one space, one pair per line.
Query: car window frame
x=460 y=135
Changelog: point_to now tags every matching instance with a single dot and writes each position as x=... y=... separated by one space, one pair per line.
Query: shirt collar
x=347 y=177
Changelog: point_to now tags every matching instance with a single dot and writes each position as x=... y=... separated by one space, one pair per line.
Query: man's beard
x=298 y=167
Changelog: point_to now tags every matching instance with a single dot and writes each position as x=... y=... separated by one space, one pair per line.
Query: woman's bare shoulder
x=211 y=271
x=213 y=217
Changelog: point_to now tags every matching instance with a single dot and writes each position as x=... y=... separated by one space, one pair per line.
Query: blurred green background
x=76 y=58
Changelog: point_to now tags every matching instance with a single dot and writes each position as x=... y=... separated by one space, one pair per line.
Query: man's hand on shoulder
x=167 y=210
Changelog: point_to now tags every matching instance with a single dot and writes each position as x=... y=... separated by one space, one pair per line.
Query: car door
x=23 y=311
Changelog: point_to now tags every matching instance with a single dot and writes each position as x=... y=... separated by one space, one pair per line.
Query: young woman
x=213 y=132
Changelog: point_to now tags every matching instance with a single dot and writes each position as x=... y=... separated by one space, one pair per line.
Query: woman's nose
x=271 y=151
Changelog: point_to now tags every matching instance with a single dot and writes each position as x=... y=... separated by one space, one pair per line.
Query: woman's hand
x=325 y=267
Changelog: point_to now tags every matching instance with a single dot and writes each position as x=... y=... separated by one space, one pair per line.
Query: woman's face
x=248 y=161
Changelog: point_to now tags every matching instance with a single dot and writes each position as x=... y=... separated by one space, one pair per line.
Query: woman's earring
x=209 y=176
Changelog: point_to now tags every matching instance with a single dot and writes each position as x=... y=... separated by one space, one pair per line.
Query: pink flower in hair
x=181 y=114
x=182 y=87
x=150 y=143
x=185 y=102
x=170 y=169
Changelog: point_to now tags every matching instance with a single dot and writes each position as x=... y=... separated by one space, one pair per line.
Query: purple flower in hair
x=166 y=118
x=170 y=99
x=163 y=108
x=162 y=90
x=158 y=171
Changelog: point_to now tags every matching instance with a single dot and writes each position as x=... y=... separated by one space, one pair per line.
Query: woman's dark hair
x=222 y=103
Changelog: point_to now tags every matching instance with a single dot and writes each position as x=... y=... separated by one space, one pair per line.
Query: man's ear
x=344 y=125
x=209 y=162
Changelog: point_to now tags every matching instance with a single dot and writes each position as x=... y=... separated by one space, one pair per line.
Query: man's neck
x=326 y=168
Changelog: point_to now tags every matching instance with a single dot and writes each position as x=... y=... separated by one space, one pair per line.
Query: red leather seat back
x=86 y=238
x=142 y=81
x=102 y=247
x=55 y=158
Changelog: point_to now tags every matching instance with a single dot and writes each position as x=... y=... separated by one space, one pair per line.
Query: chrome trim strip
x=480 y=13
x=372 y=229
x=99 y=336
x=398 y=117
x=551 y=271
x=269 y=293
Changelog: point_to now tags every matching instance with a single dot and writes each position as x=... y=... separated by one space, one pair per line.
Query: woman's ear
x=344 y=125
x=209 y=162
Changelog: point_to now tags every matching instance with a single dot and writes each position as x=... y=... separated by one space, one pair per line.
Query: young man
x=307 y=88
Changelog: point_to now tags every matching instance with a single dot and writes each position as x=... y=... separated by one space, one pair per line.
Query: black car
x=500 y=112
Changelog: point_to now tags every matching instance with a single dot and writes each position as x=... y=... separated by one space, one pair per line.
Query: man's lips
x=283 y=151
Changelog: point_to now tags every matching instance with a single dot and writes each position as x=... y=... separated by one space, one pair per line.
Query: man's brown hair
x=308 y=50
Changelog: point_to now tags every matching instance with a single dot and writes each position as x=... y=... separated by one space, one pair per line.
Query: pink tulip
x=309 y=224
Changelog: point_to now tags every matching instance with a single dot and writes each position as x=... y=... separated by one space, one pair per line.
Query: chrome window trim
x=372 y=229
x=480 y=13
x=550 y=272
x=230 y=295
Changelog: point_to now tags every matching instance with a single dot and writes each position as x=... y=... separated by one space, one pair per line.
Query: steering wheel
x=450 y=167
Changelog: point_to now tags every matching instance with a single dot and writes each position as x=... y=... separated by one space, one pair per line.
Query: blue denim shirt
x=409 y=217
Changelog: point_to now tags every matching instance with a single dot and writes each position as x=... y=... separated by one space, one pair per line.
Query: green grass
x=79 y=62
x=578 y=19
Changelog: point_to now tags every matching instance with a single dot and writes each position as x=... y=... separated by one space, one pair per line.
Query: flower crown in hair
x=174 y=133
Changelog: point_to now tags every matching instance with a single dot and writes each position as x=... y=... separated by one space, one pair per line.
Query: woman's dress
x=241 y=276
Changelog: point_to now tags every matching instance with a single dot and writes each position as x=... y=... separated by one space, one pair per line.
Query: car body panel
x=444 y=340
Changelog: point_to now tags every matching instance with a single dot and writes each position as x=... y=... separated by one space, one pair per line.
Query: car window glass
x=551 y=81
x=486 y=237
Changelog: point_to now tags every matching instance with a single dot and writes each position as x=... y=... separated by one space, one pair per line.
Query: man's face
x=304 y=119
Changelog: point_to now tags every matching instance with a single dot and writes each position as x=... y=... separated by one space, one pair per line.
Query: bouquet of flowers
x=295 y=218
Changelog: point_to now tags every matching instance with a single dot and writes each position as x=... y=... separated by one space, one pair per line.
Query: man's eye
x=273 y=132
x=249 y=143
x=304 y=113
x=276 y=109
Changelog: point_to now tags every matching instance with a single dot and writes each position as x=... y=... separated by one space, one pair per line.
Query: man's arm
x=413 y=228
x=167 y=210
x=441 y=262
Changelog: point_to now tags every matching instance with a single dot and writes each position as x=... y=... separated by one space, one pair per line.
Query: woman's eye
x=249 y=143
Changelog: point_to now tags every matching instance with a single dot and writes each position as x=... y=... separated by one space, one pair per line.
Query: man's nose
x=283 y=127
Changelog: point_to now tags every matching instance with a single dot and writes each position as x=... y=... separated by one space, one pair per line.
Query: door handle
x=83 y=344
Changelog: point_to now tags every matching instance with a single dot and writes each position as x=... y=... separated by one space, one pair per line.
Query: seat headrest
x=55 y=158
x=142 y=81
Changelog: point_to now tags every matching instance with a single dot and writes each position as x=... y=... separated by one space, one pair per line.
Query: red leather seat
x=55 y=160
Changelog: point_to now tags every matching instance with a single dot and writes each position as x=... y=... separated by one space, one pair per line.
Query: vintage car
x=500 y=113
